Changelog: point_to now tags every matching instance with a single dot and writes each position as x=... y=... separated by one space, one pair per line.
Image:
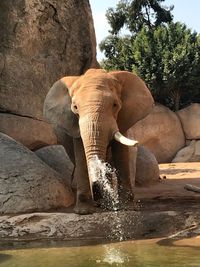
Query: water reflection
x=4 y=257
x=146 y=253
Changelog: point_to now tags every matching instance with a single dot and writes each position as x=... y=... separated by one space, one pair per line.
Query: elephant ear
x=57 y=107
x=137 y=101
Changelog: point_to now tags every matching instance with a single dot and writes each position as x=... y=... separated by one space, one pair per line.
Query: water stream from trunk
x=105 y=176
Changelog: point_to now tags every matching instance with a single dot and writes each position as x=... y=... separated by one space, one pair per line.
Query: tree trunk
x=176 y=100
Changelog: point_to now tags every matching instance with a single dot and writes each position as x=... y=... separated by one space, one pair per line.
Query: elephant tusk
x=91 y=189
x=124 y=140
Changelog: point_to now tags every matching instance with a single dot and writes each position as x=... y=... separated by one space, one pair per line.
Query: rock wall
x=161 y=132
x=41 y=41
x=30 y=132
x=190 y=153
x=190 y=120
x=27 y=183
x=147 y=169
x=170 y=136
x=56 y=157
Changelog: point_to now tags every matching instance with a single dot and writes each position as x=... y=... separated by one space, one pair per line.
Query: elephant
x=90 y=115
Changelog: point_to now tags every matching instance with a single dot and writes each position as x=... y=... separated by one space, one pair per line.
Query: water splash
x=113 y=255
x=105 y=176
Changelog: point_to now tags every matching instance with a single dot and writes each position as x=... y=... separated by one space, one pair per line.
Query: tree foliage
x=136 y=14
x=165 y=54
x=118 y=52
x=168 y=59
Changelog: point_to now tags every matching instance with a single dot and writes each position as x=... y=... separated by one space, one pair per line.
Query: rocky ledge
x=106 y=225
x=161 y=209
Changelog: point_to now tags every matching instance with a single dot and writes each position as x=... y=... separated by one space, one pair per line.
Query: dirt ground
x=171 y=186
x=164 y=209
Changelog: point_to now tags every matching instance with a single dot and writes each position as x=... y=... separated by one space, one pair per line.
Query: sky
x=186 y=11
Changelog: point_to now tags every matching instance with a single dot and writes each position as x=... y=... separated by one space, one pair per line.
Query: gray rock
x=190 y=119
x=41 y=41
x=147 y=169
x=190 y=153
x=99 y=226
x=26 y=183
x=30 y=132
x=161 y=132
x=57 y=158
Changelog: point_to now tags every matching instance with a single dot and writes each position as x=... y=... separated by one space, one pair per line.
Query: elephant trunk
x=96 y=137
x=96 y=133
x=94 y=140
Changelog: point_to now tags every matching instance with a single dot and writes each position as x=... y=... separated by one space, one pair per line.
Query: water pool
x=147 y=253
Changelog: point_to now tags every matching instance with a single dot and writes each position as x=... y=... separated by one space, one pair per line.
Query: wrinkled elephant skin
x=88 y=112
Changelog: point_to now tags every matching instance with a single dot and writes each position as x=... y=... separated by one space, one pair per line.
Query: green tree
x=137 y=14
x=165 y=54
x=118 y=52
x=133 y=15
x=168 y=59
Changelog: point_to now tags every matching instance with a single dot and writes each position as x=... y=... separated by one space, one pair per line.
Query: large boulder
x=41 y=41
x=28 y=184
x=161 y=132
x=30 y=132
x=147 y=169
x=190 y=119
x=190 y=153
x=56 y=157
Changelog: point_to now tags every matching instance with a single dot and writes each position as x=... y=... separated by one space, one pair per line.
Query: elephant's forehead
x=93 y=94
x=99 y=81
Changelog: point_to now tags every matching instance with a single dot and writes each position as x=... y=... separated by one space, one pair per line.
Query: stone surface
x=26 y=183
x=164 y=209
x=30 y=132
x=190 y=153
x=190 y=119
x=41 y=41
x=147 y=169
x=161 y=132
x=98 y=226
x=57 y=158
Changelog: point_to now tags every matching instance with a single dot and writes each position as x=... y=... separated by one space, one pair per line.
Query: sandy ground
x=174 y=177
x=161 y=210
x=182 y=242
x=189 y=242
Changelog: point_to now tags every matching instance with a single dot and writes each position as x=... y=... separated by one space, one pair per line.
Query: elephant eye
x=74 y=108
x=114 y=105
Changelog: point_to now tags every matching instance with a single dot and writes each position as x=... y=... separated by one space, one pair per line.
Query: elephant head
x=98 y=106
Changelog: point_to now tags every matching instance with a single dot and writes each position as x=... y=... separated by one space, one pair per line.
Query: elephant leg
x=84 y=201
x=67 y=141
x=121 y=161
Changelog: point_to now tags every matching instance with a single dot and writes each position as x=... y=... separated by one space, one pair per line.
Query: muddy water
x=149 y=253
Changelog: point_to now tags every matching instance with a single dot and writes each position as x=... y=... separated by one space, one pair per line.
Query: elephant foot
x=113 y=203
x=84 y=205
x=84 y=209
x=126 y=198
